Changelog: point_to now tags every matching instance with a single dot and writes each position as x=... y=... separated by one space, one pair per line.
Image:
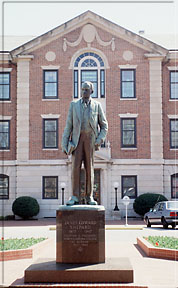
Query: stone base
x=80 y=233
x=114 y=270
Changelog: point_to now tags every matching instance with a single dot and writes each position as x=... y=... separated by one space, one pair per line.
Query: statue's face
x=86 y=92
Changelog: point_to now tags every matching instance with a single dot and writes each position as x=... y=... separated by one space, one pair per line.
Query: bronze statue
x=81 y=138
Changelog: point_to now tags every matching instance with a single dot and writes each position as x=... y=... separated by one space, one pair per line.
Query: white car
x=165 y=213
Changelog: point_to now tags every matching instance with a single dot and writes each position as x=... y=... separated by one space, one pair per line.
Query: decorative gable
x=90 y=22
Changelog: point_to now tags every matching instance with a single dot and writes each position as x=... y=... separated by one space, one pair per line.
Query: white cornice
x=23 y=58
x=152 y=56
x=173 y=55
x=5 y=57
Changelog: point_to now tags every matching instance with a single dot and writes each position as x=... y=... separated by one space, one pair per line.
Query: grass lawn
x=163 y=241
x=15 y=244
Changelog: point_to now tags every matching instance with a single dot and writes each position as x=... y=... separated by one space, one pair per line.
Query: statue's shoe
x=91 y=201
x=72 y=201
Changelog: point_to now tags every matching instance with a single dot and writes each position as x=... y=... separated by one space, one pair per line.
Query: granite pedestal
x=80 y=251
x=114 y=270
x=80 y=234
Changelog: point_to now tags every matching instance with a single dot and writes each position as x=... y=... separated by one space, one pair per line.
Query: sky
x=37 y=18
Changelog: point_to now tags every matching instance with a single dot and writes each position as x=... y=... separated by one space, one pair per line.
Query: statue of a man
x=86 y=129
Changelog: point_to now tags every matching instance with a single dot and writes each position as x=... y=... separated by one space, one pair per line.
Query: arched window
x=174 y=186
x=89 y=66
x=4 y=186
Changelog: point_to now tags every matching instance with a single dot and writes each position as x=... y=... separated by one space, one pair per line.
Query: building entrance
x=96 y=192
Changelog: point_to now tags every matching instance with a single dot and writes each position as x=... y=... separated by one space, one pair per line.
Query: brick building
x=135 y=80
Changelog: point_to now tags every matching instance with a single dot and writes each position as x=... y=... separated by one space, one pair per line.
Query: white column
x=156 y=128
x=23 y=108
x=104 y=188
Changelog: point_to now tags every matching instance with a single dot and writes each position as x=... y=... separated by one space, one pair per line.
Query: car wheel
x=173 y=225
x=165 y=224
x=148 y=224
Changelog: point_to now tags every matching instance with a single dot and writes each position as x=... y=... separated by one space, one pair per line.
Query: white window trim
x=51 y=149
x=83 y=50
x=127 y=66
x=98 y=68
x=50 y=116
x=128 y=115
x=5 y=101
x=5 y=69
x=50 y=67
x=128 y=99
x=127 y=148
x=172 y=116
x=2 y=117
x=49 y=99
x=173 y=68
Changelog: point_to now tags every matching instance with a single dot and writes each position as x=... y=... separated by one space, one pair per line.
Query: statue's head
x=87 y=89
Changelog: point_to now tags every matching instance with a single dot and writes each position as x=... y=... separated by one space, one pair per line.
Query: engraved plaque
x=81 y=235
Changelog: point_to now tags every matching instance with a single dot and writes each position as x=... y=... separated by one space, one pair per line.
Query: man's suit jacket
x=73 y=124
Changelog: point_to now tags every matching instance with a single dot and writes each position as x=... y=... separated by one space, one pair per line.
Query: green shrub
x=9 y=217
x=25 y=207
x=144 y=202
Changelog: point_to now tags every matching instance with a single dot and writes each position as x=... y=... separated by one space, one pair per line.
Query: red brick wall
x=169 y=108
x=113 y=103
x=9 y=109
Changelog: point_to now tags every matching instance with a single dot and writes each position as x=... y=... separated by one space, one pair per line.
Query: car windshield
x=172 y=205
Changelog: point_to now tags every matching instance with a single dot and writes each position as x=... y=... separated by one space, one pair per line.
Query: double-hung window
x=129 y=186
x=128 y=132
x=92 y=76
x=173 y=84
x=128 y=89
x=174 y=133
x=50 y=187
x=174 y=186
x=4 y=134
x=4 y=186
x=4 y=86
x=50 y=84
x=50 y=133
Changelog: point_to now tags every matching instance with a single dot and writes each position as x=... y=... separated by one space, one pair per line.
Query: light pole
x=116 y=185
x=63 y=186
x=126 y=201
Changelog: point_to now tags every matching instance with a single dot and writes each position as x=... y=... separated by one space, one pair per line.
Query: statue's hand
x=97 y=146
x=64 y=150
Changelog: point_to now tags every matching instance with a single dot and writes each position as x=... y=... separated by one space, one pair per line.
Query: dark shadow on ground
x=23 y=223
x=160 y=228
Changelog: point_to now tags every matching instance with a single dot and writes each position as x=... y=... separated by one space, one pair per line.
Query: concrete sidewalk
x=150 y=272
x=52 y=221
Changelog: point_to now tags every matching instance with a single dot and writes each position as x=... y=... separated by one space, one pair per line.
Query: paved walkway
x=154 y=273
